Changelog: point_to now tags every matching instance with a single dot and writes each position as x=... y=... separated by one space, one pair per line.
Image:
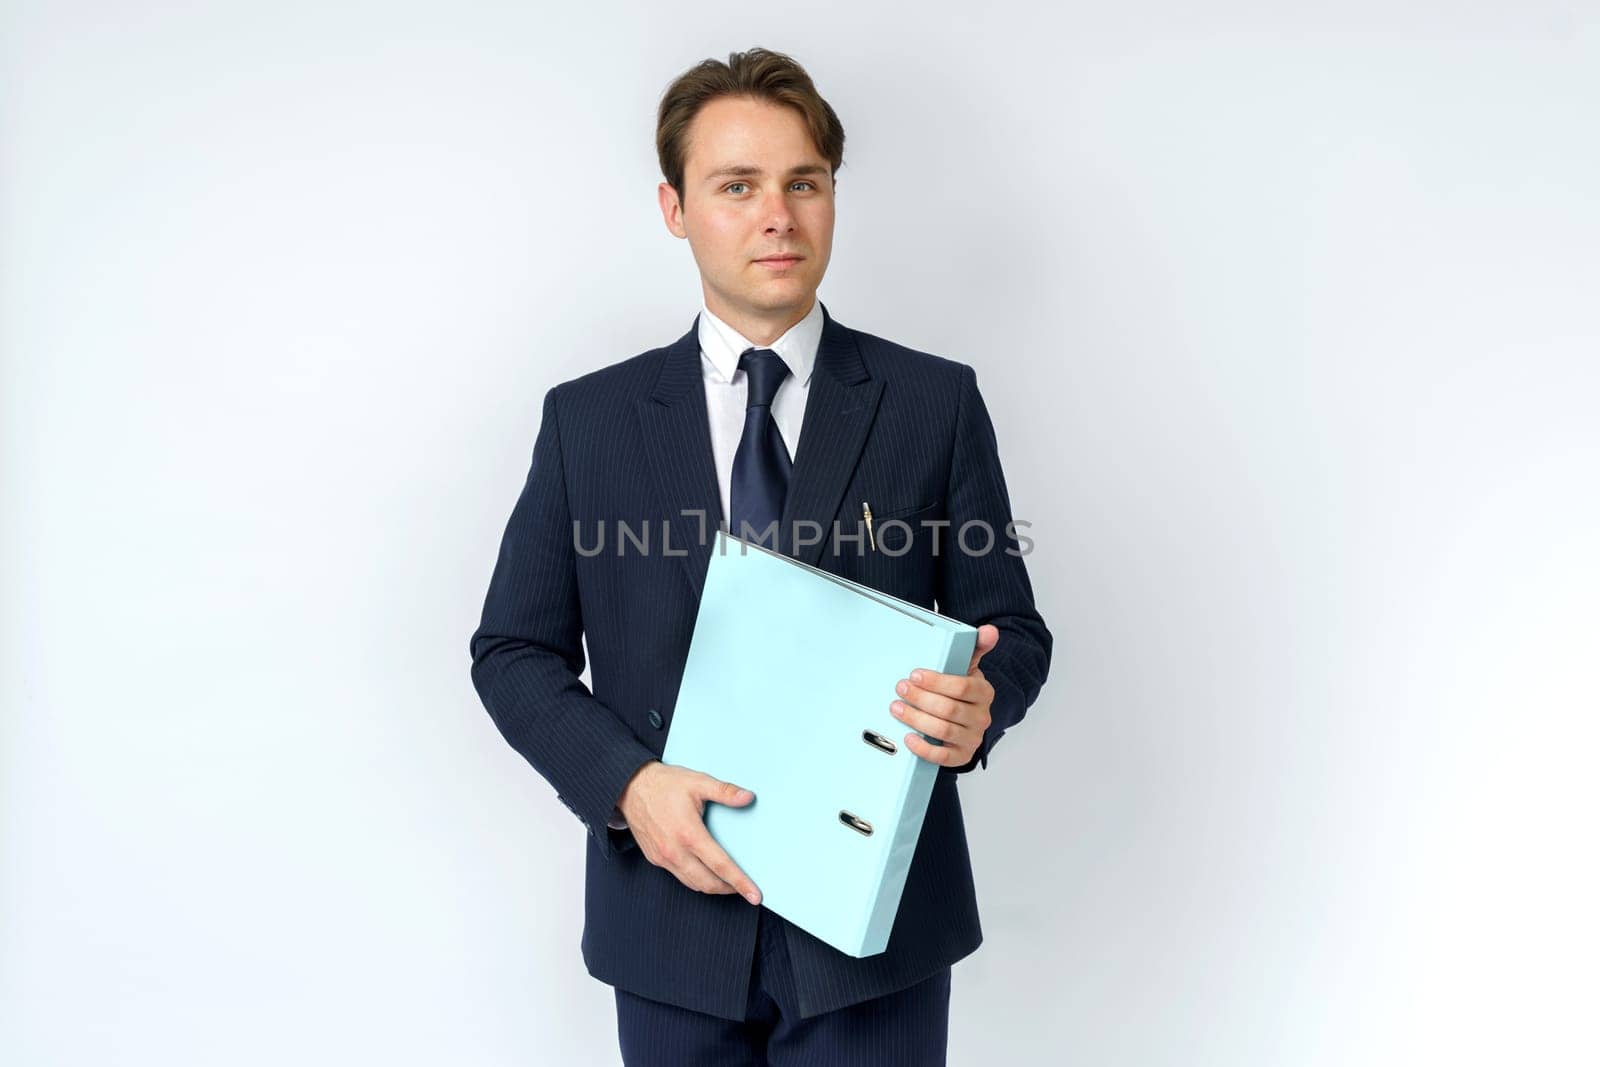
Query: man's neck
x=759 y=329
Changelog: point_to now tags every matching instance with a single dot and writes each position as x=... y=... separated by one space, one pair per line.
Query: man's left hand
x=951 y=707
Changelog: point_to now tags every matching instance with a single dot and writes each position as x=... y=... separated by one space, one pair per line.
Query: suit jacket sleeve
x=527 y=653
x=990 y=587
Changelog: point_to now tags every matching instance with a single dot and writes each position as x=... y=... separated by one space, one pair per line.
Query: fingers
x=948 y=755
x=724 y=792
x=702 y=865
x=949 y=719
x=948 y=696
x=686 y=848
x=695 y=859
x=915 y=698
x=966 y=687
x=947 y=730
x=711 y=855
x=692 y=872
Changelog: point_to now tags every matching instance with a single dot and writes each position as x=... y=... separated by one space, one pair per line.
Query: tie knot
x=765 y=371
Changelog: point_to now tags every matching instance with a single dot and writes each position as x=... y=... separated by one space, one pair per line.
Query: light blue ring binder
x=796 y=709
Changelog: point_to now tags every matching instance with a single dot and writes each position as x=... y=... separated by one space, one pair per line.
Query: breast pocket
x=898 y=529
x=899 y=558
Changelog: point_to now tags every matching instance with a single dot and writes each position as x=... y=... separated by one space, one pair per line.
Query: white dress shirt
x=727 y=396
x=727 y=387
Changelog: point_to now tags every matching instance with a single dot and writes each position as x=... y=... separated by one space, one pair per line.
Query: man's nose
x=778 y=215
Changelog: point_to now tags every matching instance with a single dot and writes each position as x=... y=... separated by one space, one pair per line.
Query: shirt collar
x=722 y=345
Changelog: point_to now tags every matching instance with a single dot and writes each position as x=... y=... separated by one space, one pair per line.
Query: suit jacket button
x=655 y=718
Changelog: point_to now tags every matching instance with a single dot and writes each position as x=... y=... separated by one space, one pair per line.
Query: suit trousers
x=907 y=1027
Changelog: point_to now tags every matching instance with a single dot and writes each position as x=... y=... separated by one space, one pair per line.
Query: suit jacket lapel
x=841 y=403
x=677 y=442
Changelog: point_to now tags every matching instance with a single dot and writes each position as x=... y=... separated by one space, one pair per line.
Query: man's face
x=754 y=187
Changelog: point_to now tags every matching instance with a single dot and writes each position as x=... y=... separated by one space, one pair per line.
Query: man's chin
x=770 y=300
x=780 y=297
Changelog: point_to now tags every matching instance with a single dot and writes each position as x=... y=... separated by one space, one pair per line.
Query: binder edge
x=958 y=648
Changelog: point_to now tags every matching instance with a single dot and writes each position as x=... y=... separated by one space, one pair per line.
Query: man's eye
x=734 y=187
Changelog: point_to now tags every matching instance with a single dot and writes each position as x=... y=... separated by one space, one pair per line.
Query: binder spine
x=916 y=790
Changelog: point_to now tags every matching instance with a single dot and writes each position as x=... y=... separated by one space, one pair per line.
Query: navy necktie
x=761 y=465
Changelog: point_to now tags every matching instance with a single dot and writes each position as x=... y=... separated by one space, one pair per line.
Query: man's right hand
x=664 y=805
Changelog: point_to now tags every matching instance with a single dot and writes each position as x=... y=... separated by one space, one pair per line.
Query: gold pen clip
x=866 y=513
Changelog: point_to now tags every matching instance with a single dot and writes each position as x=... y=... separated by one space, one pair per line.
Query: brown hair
x=759 y=74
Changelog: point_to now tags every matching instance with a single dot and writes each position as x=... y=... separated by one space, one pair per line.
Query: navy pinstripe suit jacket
x=904 y=430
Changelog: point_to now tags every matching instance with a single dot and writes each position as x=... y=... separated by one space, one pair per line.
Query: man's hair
x=758 y=74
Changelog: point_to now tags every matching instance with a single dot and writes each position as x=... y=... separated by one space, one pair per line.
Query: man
x=767 y=416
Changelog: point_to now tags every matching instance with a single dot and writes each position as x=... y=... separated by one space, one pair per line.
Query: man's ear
x=671 y=209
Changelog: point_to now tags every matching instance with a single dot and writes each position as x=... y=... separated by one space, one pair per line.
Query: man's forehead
x=719 y=138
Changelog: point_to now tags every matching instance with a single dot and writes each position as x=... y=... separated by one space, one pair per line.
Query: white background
x=1288 y=323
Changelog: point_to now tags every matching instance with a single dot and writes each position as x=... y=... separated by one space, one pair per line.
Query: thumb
x=726 y=792
x=988 y=637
